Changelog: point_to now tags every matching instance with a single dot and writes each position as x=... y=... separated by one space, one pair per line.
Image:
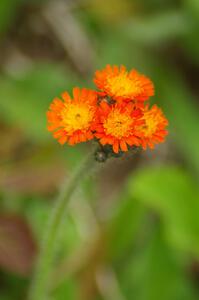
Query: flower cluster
x=118 y=115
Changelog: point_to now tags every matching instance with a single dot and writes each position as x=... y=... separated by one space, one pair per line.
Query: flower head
x=117 y=125
x=116 y=82
x=72 y=119
x=153 y=130
x=116 y=116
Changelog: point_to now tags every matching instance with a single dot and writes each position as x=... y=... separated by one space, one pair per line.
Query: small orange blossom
x=154 y=126
x=73 y=119
x=116 y=115
x=116 y=82
x=117 y=125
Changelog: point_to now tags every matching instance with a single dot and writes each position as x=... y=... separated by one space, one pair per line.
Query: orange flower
x=119 y=118
x=153 y=130
x=117 y=125
x=116 y=82
x=72 y=119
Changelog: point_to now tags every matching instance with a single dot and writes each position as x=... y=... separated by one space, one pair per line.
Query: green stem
x=40 y=283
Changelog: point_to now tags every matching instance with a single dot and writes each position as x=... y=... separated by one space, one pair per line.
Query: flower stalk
x=40 y=282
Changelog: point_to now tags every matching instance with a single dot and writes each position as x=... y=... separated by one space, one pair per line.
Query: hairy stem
x=40 y=282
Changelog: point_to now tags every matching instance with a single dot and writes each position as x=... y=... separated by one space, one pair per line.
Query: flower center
x=151 y=123
x=77 y=117
x=122 y=85
x=118 y=124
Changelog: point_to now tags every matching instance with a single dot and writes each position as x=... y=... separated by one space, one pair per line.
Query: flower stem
x=40 y=282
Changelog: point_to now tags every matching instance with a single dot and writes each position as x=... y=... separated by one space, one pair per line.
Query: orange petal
x=66 y=97
x=123 y=146
x=103 y=140
x=52 y=127
x=116 y=146
x=76 y=92
x=57 y=134
x=62 y=139
x=71 y=140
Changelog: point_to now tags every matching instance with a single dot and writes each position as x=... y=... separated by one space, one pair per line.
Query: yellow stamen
x=151 y=122
x=77 y=117
x=118 y=124
x=123 y=85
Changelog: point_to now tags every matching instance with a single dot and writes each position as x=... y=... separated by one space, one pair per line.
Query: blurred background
x=131 y=231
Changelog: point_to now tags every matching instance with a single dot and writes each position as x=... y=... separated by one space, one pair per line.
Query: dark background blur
x=132 y=230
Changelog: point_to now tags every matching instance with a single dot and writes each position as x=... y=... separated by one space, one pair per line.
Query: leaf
x=17 y=245
x=154 y=272
x=172 y=193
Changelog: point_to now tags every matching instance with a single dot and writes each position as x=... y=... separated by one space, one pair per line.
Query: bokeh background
x=131 y=231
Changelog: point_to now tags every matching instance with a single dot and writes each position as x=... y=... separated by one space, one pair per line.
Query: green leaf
x=154 y=273
x=172 y=193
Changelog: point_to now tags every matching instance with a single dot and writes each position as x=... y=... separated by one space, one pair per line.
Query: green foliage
x=121 y=238
x=26 y=99
x=157 y=29
x=154 y=273
x=173 y=194
x=8 y=10
x=13 y=287
x=37 y=212
x=68 y=290
x=170 y=85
